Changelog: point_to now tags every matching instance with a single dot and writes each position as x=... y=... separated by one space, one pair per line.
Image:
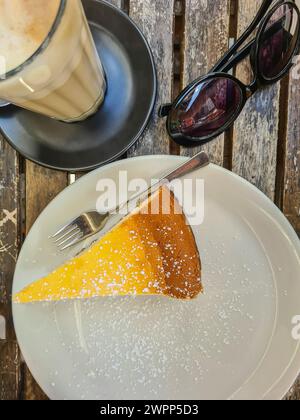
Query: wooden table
x=187 y=37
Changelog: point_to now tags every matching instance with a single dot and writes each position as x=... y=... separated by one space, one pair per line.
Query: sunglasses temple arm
x=241 y=55
x=227 y=66
x=262 y=11
x=237 y=58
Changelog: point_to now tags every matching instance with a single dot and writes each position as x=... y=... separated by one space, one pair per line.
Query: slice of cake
x=151 y=252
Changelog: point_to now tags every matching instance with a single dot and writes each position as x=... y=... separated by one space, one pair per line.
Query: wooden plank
x=255 y=135
x=42 y=185
x=9 y=244
x=156 y=18
x=206 y=40
x=291 y=190
x=294 y=394
x=9 y=370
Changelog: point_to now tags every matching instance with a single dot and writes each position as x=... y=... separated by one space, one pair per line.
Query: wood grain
x=291 y=186
x=10 y=384
x=255 y=135
x=42 y=186
x=294 y=394
x=205 y=41
x=156 y=20
x=9 y=246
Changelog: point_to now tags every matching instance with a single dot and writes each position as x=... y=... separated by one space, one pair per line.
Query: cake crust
x=175 y=239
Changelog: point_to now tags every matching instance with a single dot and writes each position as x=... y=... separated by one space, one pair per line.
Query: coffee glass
x=64 y=79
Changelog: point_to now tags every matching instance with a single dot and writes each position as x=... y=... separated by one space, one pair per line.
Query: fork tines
x=67 y=236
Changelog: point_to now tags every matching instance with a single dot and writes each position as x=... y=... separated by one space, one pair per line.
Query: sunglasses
x=210 y=105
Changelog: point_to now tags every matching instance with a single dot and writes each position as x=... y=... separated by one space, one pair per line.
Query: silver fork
x=91 y=223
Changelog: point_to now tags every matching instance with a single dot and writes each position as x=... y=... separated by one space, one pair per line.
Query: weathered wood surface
x=291 y=167
x=9 y=245
x=156 y=19
x=255 y=135
x=42 y=186
x=294 y=394
x=291 y=185
x=206 y=39
x=10 y=385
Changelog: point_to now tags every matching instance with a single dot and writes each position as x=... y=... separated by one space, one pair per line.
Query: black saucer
x=118 y=124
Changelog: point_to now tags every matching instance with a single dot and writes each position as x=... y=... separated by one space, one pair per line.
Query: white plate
x=234 y=342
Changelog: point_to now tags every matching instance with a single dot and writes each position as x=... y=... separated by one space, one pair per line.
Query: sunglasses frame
x=227 y=63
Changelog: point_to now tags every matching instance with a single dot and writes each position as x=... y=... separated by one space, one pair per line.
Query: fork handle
x=200 y=160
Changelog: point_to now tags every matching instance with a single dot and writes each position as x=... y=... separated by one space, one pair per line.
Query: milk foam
x=24 y=25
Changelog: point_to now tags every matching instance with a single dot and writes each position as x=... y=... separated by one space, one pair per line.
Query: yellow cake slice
x=151 y=252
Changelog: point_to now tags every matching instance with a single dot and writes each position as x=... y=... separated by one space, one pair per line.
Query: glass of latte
x=48 y=59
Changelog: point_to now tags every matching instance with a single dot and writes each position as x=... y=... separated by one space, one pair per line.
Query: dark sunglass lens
x=279 y=41
x=207 y=108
